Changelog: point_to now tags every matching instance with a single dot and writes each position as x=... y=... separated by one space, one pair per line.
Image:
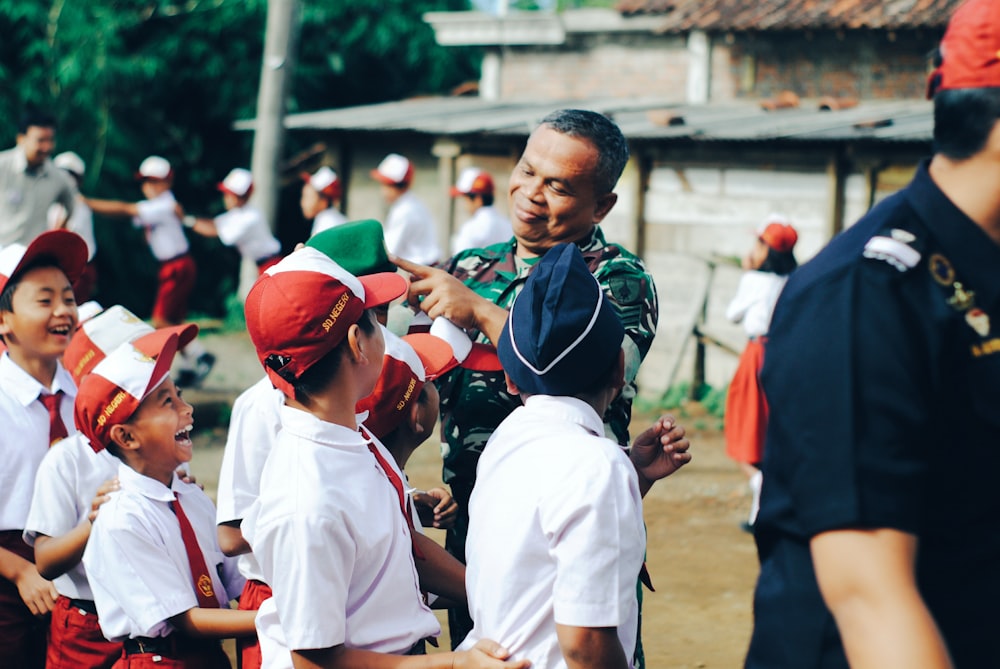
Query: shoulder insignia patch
x=897 y=253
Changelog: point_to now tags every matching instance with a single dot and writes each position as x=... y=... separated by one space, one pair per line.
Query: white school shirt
x=334 y=546
x=67 y=481
x=487 y=226
x=24 y=435
x=245 y=228
x=136 y=561
x=555 y=532
x=754 y=301
x=253 y=429
x=164 y=231
x=326 y=219
x=410 y=232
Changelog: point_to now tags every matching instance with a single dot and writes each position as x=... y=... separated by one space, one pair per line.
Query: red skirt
x=746 y=408
x=248 y=648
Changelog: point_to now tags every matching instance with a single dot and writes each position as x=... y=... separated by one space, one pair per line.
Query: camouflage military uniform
x=474 y=403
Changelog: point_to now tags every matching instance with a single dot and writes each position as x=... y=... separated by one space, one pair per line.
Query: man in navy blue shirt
x=879 y=528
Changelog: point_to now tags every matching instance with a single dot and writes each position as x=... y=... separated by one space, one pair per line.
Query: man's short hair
x=603 y=133
x=963 y=120
x=35 y=118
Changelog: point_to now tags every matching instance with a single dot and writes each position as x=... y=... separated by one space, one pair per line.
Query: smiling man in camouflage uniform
x=560 y=190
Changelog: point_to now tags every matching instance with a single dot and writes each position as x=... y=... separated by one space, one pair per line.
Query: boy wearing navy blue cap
x=879 y=525
x=551 y=572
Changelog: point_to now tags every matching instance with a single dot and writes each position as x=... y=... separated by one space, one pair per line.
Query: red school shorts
x=248 y=647
x=176 y=277
x=76 y=639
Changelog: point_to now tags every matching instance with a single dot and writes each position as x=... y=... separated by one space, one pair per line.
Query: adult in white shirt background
x=410 y=231
x=486 y=225
x=80 y=221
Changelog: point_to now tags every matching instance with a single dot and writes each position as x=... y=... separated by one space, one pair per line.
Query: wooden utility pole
x=277 y=67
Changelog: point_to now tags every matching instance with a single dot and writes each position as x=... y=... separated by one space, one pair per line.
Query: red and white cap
x=325 y=181
x=239 y=182
x=154 y=167
x=393 y=170
x=473 y=181
x=777 y=232
x=98 y=335
x=303 y=306
x=71 y=162
x=115 y=388
x=412 y=361
x=67 y=249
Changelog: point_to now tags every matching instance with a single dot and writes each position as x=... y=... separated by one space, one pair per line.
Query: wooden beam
x=836 y=170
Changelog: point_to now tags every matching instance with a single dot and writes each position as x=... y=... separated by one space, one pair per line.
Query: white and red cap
x=154 y=167
x=393 y=170
x=412 y=361
x=100 y=334
x=66 y=249
x=777 y=233
x=303 y=306
x=473 y=181
x=71 y=162
x=239 y=182
x=324 y=181
x=115 y=388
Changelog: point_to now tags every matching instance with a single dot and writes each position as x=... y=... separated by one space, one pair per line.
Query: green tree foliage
x=130 y=78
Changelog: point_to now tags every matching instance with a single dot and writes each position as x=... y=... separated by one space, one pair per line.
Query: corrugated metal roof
x=641 y=119
x=759 y=15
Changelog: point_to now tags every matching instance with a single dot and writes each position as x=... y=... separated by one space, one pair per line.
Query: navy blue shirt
x=883 y=378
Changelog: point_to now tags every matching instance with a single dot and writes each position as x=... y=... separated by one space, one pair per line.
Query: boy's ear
x=124 y=438
x=414 y=418
x=4 y=325
x=512 y=388
x=354 y=344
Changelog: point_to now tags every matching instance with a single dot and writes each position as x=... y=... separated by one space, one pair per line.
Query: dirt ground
x=702 y=564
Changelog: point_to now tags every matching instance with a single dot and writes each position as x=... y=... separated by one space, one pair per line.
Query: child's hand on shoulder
x=102 y=495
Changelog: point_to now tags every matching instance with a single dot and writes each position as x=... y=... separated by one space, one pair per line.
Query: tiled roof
x=759 y=15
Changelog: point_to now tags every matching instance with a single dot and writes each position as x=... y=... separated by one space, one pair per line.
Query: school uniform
x=65 y=487
x=746 y=406
x=567 y=548
x=410 y=232
x=253 y=428
x=165 y=235
x=884 y=357
x=326 y=219
x=338 y=553
x=24 y=441
x=80 y=221
x=486 y=227
x=141 y=575
x=245 y=228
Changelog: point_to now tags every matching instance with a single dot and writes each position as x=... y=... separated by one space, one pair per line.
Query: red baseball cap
x=66 y=248
x=239 y=182
x=970 y=49
x=325 y=181
x=777 y=232
x=302 y=307
x=412 y=361
x=154 y=167
x=117 y=385
x=473 y=181
x=394 y=170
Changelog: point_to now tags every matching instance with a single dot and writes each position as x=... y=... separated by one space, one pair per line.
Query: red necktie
x=199 y=570
x=57 y=429
x=397 y=483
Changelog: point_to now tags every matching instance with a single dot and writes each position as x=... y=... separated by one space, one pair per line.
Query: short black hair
x=779 y=262
x=603 y=133
x=963 y=120
x=314 y=380
x=35 y=118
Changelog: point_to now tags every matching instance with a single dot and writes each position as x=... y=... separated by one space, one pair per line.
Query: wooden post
x=836 y=171
x=698 y=373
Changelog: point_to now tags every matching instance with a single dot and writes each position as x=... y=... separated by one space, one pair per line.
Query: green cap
x=358 y=247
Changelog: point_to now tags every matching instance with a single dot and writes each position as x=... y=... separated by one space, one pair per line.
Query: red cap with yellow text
x=117 y=385
x=970 y=49
x=412 y=361
x=67 y=249
x=99 y=335
x=303 y=306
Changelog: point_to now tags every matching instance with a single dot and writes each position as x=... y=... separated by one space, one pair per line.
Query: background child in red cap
x=37 y=316
x=486 y=225
x=320 y=200
x=72 y=482
x=158 y=217
x=161 y=584
x=410 y=231
x=329 y=528
x=242 y=225
x=767 y=266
